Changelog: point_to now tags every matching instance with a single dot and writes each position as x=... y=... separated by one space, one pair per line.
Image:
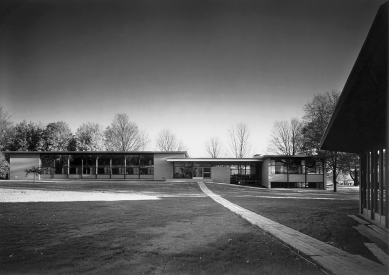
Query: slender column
x=374 y=182
x=96 y=166
x=304 y=168
x=324 y=174
x=368 y=175
x=287 y=174
x=381 y=183
x=386 y=182
x=53 y=169
x=82 y=167
x=360 y=184
x=68 y=166
x=125 y=166
x=110 y=168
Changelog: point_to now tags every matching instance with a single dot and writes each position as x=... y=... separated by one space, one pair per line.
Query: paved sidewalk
x=330 y=258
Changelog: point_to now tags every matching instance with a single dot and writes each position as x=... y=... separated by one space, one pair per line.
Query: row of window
x=126 y=164
x=49 y=160
x=295 y=169
x=67 y=170
x=295 y=166
x=318 y=185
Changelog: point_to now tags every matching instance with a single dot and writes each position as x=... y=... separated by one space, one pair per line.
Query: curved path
x=330 y=258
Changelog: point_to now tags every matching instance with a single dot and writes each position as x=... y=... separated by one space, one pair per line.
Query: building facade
x=360 y=121
x=266 y=171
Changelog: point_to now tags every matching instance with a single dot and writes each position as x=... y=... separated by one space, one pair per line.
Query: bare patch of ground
x=12 y=195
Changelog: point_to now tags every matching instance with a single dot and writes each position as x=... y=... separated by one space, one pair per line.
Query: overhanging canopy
x=213 y=160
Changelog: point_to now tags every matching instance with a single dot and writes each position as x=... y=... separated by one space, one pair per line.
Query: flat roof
x=213 y=160
x=285 y=156
x=94 y=152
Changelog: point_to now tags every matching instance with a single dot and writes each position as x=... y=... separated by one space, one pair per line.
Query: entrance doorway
x=201 y=172
x=198 y=172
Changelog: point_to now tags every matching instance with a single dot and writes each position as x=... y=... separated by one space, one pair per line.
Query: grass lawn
x=180 y=234
x=321 y=214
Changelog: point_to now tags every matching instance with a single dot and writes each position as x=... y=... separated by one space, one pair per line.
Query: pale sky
x=194 y=67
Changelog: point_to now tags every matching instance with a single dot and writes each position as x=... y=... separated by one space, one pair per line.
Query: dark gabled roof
x=359 y=121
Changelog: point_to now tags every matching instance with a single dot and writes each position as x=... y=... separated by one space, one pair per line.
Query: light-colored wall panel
x=221 y=174
x=265 y=173
x=162 y=168
x=278 y=178
x=296 y=177
x=314 y=178
x=20 y=162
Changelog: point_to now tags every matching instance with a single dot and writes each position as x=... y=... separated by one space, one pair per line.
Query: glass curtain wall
x=132 y=165
x=93 y=165
x=296 y=166
x=183 y=170
x=239 y=172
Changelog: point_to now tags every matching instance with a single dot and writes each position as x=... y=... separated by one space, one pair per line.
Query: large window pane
x=132 y=160
x=132 y=170
x=117 y=164
x=146 y=160
x=104 y=165
x=146 y=171
x=183 y=172
x=47 y=163
x=75 y=164
x=61 y=164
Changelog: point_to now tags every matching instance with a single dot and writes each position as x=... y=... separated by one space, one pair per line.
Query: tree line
x=121 y=135
x=303 y=137
x=293 y=137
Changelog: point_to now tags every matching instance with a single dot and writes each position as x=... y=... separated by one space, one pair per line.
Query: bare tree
x=240 y=144
x=213 y=147
x=144 y=140
x=124 y=135
x=5 y=128
x=167 y=141
x=286 y=138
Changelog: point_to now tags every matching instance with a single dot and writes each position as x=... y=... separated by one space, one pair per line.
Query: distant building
x=359 y=123
x=267 y=171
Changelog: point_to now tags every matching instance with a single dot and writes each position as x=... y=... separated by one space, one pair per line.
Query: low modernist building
x=360 y=121
x=268 y=171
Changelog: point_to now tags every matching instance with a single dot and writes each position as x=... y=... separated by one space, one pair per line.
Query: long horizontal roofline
x=213 y=160
x=95 y=152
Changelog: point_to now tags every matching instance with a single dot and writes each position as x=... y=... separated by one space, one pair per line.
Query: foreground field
x=180 y=232
x=320 y=214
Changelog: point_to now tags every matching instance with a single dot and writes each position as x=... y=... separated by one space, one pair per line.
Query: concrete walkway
x=330 y=258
